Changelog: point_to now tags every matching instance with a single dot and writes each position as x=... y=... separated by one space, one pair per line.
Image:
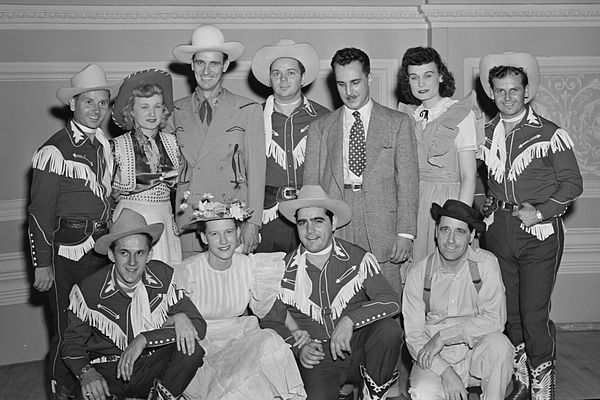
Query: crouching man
x=454 y=311
x=131 y=332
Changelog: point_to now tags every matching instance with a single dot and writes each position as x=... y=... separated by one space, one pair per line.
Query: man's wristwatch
x=539 y=215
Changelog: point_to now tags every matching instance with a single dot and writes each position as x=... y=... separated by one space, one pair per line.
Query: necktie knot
x=356 y=115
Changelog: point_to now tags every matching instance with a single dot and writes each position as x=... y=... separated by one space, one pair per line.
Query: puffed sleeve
x=267 y=272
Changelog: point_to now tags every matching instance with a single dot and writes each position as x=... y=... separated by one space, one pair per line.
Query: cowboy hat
x=207 y=38
x=88 y=79
x=315 y=196
x=458 y=210
x=149 y=76
x=286 y=48
x=129 y=223
x=510 y=59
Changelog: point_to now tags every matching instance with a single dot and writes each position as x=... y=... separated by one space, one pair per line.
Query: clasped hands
x=312 y=353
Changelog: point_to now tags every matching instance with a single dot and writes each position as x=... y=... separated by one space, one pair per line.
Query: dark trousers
x=174 y=369
x=278 y=235
x=529 y=267
x=376 y=346
x=66 y=274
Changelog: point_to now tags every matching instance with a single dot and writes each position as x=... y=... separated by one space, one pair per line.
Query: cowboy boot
x=159 y=392
x=372 y=391
x=521 y=377
x=543 y=382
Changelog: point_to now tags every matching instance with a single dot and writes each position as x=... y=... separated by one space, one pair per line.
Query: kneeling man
x=130 y=331
x=335 y=290
x=454 y=311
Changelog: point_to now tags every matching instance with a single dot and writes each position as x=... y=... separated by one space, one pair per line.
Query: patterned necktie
x=205 y=112
x=357 y=157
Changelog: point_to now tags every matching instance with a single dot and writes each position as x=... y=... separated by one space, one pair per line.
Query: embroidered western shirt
x=71 y=179
x=100 y=317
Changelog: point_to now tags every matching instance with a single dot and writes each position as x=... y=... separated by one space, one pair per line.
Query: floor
x=578 y=371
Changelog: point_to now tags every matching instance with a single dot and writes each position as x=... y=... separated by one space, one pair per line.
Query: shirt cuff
x=407 y=235
x=454 y=335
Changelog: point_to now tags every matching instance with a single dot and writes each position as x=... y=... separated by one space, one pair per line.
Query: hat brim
x=149 y=76
x=103 y=243
x=67 y=93
x=339 y=208
x=185 y=52
x=303 y=52
x=438 y=211
x=522 y=60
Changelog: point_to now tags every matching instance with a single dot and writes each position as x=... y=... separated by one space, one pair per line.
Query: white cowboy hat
x=315 y=196
x=88 y=79
x=128 y=223
x=303 y=52
x=208 y=38
x=148 y=76
x=512 y=59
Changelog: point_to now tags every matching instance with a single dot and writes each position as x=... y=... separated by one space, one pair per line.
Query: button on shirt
x=365 y=116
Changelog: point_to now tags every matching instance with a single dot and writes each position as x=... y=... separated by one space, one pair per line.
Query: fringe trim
x=560 y=141
x=306 y=307
x=278 y=154
x=96 y=319
x=368 y=267
x=51 y=157
x=159 y=315
x=540 y=231
x=270 y=214
x=299 y=152
x=268 y=123
x=77 y=251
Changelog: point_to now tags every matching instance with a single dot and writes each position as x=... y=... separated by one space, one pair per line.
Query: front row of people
x=134 y=327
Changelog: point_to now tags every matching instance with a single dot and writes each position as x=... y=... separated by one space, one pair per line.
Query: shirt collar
x=365 y=111
x=111 y=285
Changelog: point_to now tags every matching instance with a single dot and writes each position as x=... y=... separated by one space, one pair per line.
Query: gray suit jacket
x=228 y=160
x=390 y=178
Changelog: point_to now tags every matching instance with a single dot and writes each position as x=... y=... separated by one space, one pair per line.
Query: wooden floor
x=578 y=371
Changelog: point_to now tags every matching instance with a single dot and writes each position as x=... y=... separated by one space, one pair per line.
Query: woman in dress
x=146 y=159
x=447 y=134
x=242 y=360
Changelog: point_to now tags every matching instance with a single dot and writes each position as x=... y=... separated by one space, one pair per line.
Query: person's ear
x=225 y=66
x=334 y=222
x=150 y=253
x=203 y=237
x=527 y=91
x=72 y=103
x=111 y=255
x=472 y=236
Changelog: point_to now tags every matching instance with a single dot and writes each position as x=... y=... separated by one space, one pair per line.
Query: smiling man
x=220 y=135
x=335 y=290
x=70 y=204
x=365 y=154
x=533 y=177
x=454 y=312
x=131 y=332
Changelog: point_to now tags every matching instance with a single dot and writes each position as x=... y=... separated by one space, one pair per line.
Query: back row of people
x=389 y=166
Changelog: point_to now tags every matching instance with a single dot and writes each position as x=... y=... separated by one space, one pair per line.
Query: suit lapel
x=335 y=147
x=221 y=121
x=377 y=137
x=190 y=140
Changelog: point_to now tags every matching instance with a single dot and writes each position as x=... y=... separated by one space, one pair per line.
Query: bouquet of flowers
x=208 y=209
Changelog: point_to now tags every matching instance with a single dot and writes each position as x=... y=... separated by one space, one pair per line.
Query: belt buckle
x=355 y=187
x=100 y=226
x=289 y=193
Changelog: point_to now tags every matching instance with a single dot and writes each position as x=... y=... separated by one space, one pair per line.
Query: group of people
x=224 y=249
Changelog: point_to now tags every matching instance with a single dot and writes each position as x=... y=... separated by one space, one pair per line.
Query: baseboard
x=578 y=326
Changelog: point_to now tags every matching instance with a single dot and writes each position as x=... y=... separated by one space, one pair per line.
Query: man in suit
x=365 y=154
x=221 y=137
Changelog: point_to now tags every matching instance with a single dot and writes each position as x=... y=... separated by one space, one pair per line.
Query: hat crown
x=312 y=192
x=127 y=221
x=89 y=77
x=208 y=36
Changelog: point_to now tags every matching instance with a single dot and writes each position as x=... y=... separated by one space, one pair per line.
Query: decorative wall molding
x=569 y=95
x=63 y=17
x=512 y=15
x=12 y=210
x=14 y=282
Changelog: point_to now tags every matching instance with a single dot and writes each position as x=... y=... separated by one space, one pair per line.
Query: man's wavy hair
x=350 y=54
x=145 y=90
x=420 y=56
x=502 y=71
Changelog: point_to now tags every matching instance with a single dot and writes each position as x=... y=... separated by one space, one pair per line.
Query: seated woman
x=447 y=133
x=242 y=361
x=146 y=159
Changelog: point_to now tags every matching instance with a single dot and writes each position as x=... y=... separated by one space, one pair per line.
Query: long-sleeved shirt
x=100 y=315
x=459 y=312
x=350 y=284
x=71 y=179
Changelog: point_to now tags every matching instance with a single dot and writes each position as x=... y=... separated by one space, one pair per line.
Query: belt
x=354 y=186
x=506 y=205
x=281 y=193
x=85 y=224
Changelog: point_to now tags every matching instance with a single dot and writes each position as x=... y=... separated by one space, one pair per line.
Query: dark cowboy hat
x=129 y=223
x=458 y=210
